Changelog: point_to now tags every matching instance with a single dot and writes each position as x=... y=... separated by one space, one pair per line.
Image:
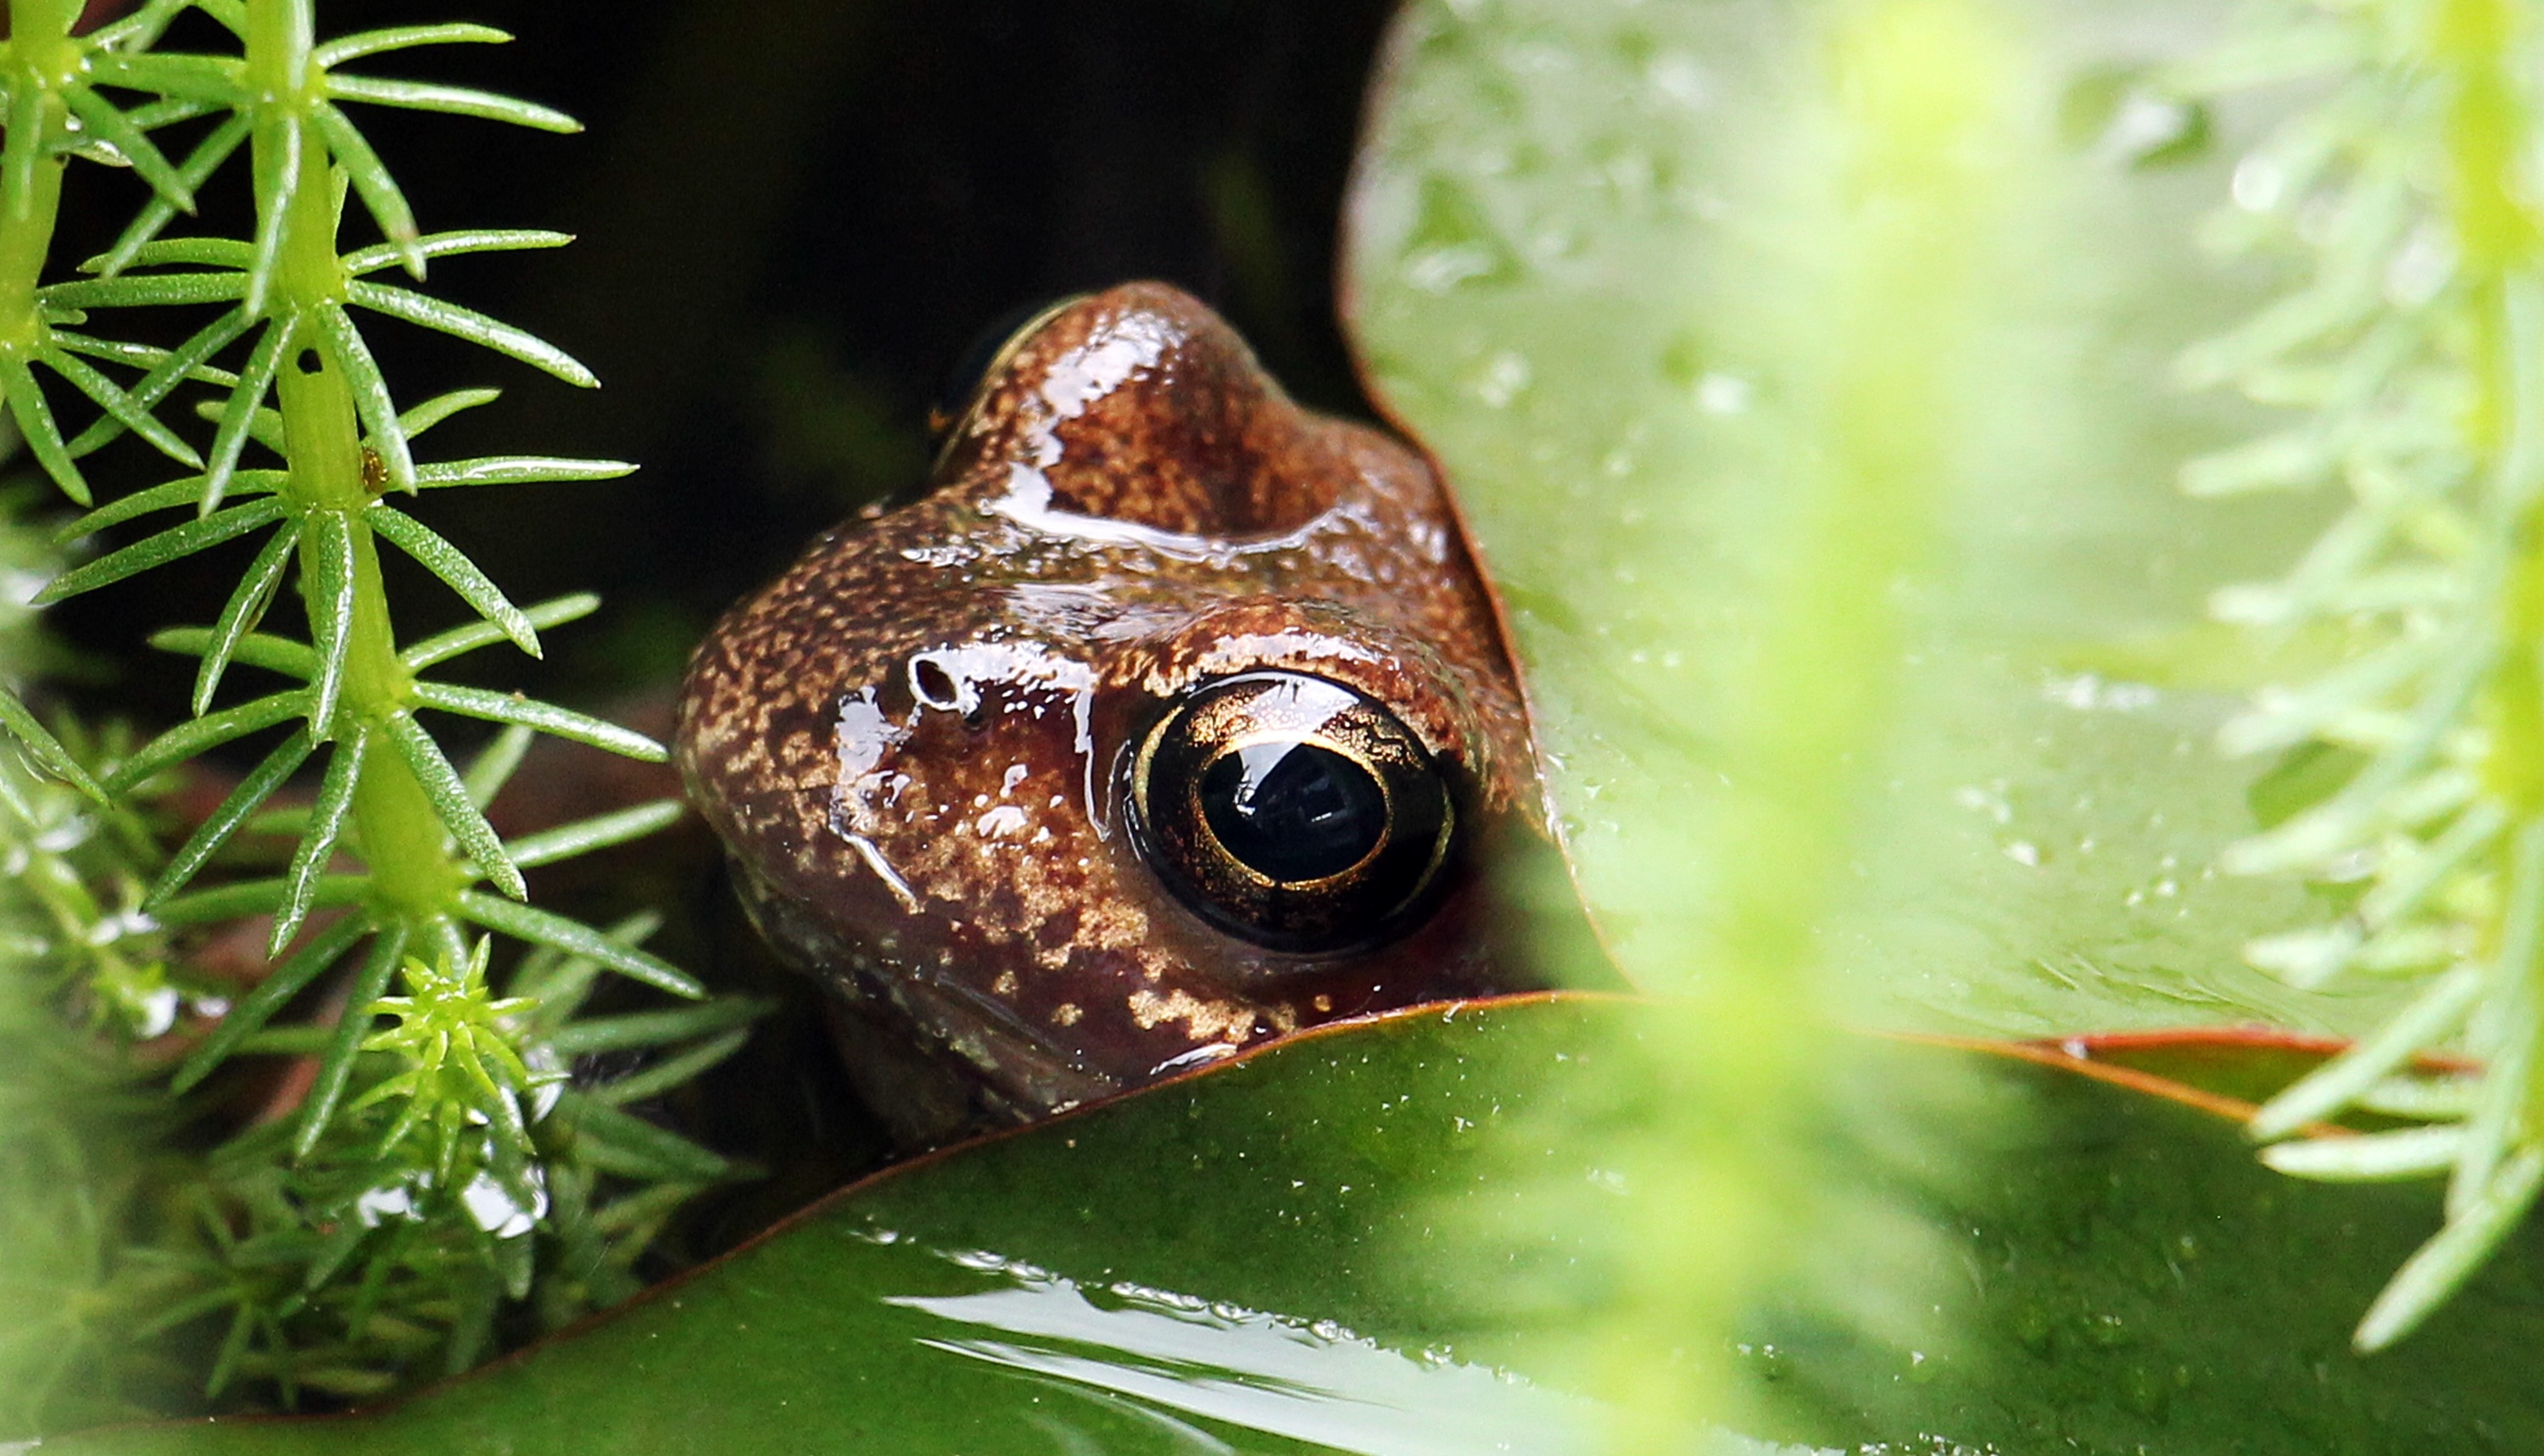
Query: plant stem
x=413 y=876
x=41 y=60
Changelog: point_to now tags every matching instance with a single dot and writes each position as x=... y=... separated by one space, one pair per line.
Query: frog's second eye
x=988 y=352
x=1292 y=811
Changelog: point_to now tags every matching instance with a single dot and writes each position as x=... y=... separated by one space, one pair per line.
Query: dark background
x=794 y=218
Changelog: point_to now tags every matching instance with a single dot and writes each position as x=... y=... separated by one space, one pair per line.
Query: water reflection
x=1314 y=1382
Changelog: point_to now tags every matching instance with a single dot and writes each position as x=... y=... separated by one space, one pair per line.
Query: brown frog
x=1171 y=719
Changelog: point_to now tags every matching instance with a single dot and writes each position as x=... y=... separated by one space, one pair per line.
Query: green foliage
x=2412 y=341
x=437 y=1164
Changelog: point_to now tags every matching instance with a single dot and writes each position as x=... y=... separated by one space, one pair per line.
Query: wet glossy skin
x=915 y=742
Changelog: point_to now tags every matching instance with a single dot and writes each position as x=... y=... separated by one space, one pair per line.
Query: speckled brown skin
x=913 y=741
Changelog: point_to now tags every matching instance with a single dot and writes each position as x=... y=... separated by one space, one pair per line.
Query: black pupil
x=1293 y=811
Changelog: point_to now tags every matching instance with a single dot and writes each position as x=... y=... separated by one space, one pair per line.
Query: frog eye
x=987 y=354
x=1291 y=811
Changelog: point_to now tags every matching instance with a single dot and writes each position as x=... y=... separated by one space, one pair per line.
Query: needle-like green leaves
x=275 y=155
x=36 y=423
x=170 y=368
x=400 y=37
x=2437 y=845
x=476 y=328
x=494 y=765
x=145 y=289
x=444 y=244
x=336 y=1066
x=459 y=1065
x=270 y=995
x=254 y=897
x=234 y=811
x=443 y=646
x=370 y=178
x=654 y=1028
x=256 y=376
x=634 y=1148
x=504 y=707
x=344 y=347
x=575 y=938
x=200 y=735
x=450 y=796
x=517 y=470
x=256 y=649
x=440 y=407
x=123 y=408
x=117 y=131
x=456 y=571
x=185 y=491
x=245 y=608
x=200 y=164
x=41 y=747
x=318 y=840
x=328 y=559
x=216 y=79
x=168 y=545
x=458 y=101
x=600 y=831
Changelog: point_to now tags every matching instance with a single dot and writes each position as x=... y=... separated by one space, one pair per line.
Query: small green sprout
x=462 y=1067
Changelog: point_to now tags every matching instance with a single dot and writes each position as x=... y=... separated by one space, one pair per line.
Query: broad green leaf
x=1298 y=1252
x=1579 y=264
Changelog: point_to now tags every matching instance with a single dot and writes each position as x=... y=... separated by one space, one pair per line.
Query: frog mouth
x=969 y=1048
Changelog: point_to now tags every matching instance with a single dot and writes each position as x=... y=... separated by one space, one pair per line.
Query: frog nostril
x=934 y=685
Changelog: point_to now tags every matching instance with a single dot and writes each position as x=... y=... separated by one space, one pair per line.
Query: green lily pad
x=1574 y=270
x=1297 y=1251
